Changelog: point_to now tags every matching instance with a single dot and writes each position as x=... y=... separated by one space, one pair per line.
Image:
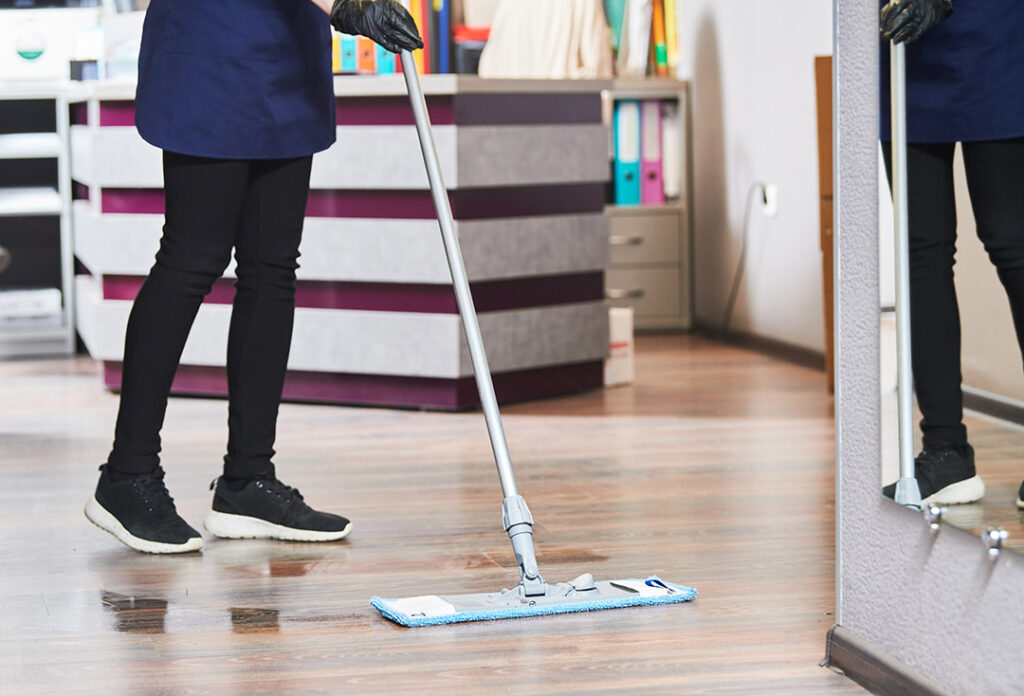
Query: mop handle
x=459 y=281
x=902 y=237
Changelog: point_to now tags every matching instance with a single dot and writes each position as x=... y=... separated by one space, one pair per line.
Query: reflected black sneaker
x=138 y=510
x=1020 y=496
x=946 y=476
x=265 y=508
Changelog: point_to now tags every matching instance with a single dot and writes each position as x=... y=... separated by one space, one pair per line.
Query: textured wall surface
x=935 y=602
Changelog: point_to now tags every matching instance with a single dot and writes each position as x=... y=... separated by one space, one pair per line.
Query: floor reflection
x=254 y=620
x=136 y=614
x=997 y=446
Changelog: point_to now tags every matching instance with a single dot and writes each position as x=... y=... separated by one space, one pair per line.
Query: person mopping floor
x=239 y=96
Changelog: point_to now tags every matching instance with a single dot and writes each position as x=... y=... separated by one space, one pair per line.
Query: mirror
x=964 y=167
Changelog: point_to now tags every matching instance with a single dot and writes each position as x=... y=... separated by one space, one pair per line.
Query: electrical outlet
x=770 y=207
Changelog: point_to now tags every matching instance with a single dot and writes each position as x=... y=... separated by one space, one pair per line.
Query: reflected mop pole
x=516 y=517
x=907 y=491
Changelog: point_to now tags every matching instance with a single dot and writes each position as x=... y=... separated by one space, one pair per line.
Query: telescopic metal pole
x=516 y=516
x=907 y=491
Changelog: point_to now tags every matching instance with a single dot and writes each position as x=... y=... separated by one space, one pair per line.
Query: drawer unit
x=650 y=265
x=645 y=239
x=653 y=292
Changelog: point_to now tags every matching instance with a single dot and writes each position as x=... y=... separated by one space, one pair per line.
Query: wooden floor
x=998 y=445
x=714 y=470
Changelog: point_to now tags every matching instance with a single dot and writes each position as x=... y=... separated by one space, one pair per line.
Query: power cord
x=738 y=275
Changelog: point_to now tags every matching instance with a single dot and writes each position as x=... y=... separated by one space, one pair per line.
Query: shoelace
x=273 y=486
x=153 y=491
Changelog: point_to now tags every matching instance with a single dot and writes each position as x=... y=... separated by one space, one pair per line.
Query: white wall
x=990 y=357
x=752 y=67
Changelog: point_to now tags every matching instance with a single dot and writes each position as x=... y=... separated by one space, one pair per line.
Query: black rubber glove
x=384 y=21
x=904 y=21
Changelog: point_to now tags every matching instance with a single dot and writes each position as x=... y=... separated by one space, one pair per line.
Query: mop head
x=581 y=594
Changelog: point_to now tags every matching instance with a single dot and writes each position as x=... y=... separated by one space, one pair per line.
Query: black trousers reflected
x=256 y=207
x=995 y=180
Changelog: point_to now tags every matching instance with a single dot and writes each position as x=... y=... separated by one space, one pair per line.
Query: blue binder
x=386 y=61
x=349 y=54
x=627 y=152
x=444 y=35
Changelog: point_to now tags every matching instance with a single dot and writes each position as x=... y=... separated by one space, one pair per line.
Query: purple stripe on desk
x=386 y=390
x=143 y=201
x=390 y=111
x=473 y=110
x=488 y=296
x=467 y=204
x=445 y=110
x=117 y=113
x=527 y=109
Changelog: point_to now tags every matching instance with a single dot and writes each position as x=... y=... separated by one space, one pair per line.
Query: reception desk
x=526 y=164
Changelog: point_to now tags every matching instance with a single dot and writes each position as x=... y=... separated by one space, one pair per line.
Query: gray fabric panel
x=514 y=155
x=380 y=343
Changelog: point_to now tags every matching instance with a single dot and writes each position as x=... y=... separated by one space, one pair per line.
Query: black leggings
x=212 y=205
x=995 y=180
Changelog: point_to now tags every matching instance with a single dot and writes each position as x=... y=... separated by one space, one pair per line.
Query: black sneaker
x=1020 y=496
x=265 y=508
x=140 y=512
x=946 y=476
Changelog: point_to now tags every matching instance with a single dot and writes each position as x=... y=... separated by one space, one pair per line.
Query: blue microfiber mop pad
x=611 y=595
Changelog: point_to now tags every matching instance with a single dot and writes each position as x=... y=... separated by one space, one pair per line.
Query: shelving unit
x=651 y=251
x=35 y=207
x=29 y=145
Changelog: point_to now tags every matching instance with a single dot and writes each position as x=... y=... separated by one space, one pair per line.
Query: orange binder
x=427 y=20
x=367 y=53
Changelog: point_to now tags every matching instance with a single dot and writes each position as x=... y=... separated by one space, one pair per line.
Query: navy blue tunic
x=236 y=79
x=965 y=77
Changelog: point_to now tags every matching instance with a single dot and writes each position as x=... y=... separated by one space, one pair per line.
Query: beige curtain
x=557 y=39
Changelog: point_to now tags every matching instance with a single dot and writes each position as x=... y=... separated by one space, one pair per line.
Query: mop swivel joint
x=518 y=522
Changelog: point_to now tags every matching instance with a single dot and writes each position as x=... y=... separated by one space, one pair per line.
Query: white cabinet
x=36 y=261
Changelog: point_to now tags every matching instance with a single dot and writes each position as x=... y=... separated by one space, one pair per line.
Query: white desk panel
x=380 y=157
x=378 y=343
x=376 y=251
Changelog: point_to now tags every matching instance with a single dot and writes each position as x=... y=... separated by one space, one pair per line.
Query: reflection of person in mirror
x=238 y=94
x=965 y=84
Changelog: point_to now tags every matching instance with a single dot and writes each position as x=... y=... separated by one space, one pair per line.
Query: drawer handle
x=634 y=294
x=623 y=240
x=5 y=259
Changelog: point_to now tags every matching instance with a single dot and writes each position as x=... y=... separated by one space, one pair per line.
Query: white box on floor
x=618 y=368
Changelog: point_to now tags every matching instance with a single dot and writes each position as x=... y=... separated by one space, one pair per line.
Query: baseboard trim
x=769 y=346
x=994 y=405
x=873 y=668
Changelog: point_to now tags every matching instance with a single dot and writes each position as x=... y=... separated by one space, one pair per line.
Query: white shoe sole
x=1020 y=503
x=228 y=526
x=960 y=493
x=100 y=517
